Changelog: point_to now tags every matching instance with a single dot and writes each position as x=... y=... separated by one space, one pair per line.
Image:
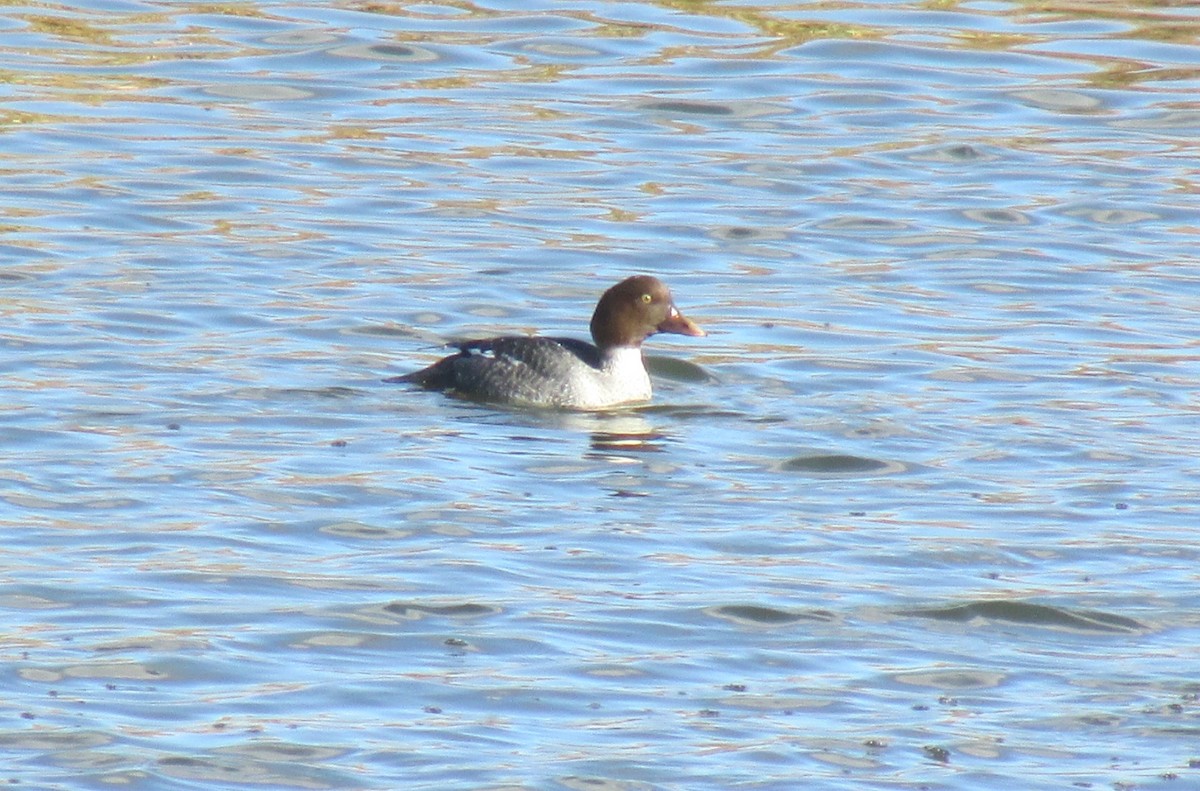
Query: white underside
x=622 y=379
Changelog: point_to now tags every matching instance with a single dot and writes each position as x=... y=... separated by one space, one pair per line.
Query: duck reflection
x=627 y=433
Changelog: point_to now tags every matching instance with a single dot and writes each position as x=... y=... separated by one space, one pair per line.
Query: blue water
x=919 y=513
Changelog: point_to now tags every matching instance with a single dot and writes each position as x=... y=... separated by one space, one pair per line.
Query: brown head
x=635 y=309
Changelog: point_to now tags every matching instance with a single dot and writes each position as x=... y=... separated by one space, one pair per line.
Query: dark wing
x=530 y=370
x=549 y=356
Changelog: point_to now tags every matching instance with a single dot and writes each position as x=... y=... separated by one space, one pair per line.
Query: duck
x=566 y=373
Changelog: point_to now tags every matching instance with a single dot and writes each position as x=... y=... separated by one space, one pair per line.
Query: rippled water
x=920 y=512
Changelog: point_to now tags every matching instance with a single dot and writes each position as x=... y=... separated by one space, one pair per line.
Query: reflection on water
x=919 y=514
x=630 y=433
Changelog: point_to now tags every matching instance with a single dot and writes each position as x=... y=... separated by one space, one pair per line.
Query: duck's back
x=533 y=371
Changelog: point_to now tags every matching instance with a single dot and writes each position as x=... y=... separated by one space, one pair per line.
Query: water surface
x=919 y=513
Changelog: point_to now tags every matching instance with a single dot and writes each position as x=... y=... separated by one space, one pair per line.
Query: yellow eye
x=647 y=298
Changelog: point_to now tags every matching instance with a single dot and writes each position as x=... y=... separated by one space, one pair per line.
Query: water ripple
x=946 y=258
